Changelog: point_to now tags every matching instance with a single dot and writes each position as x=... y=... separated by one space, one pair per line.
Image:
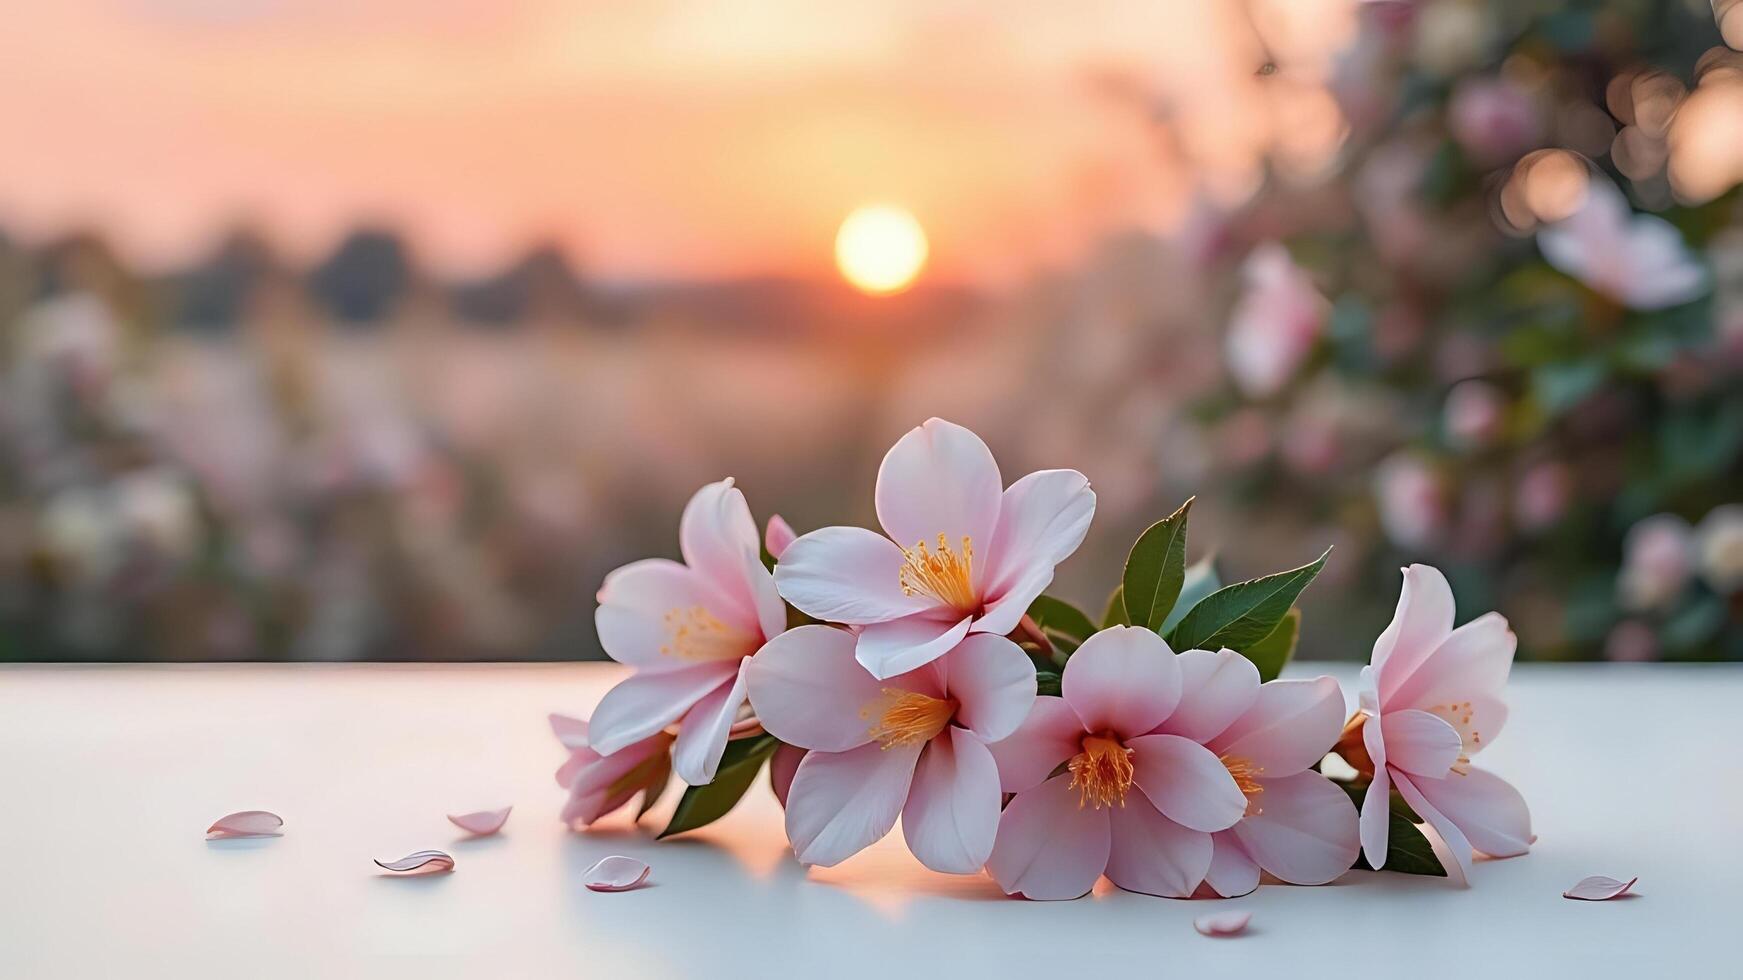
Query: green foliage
x=1407 y=848
x=1047 y=682
x=656 y=789
x=1272 y=653
x=1064 y=625
x=1201 y=581
x=1115 y=613
x=1155 y=570
x=1245 y=613
x=702 y=805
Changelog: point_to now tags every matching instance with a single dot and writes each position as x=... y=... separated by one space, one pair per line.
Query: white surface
x=110 y=776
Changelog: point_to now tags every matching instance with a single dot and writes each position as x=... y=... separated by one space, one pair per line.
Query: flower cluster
x=924 y=675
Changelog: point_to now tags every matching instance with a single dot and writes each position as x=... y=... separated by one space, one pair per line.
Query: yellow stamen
x=902 y=717
x=1458 y=714
x=1102 y=772
x=1247 y=778
x=694 y=633
x=941 y=573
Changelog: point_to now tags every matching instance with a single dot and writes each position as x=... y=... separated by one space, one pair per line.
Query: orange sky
x=657 y=139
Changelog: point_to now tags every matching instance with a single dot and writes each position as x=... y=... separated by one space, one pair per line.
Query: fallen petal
x=246 y=823
x=483 y=823
x=616 y=873
x=572 y=732
x=1599 y=888
x=1222 y=923
x=420 y=862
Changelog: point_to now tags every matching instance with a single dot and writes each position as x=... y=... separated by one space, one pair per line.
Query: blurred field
x=1347 y=323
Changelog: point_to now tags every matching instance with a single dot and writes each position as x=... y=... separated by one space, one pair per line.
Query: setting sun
x=880 y=249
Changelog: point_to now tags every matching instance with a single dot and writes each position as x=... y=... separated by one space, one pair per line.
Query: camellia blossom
x=1411 y=499
x=1299 y=826
x=1275 y=324
x=1494 y=119
x=963 y=555
x=1658 y=558
x=1101 y=790
x=912 y=745
x=687 y=629
x=1429 y=701
x=1638 y=260
x=600 y=784
x=1719 y=543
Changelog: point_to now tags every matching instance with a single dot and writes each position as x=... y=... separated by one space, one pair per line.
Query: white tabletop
x=110 y=776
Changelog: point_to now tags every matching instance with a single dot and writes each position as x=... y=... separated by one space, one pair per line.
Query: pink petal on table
x=1599 y=888
x=246 y=823
x=616 y=873
x=420 y=862
x=1222 y=923
x=483 y=823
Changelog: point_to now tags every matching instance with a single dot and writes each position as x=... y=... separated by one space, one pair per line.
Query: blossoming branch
x=925 y=674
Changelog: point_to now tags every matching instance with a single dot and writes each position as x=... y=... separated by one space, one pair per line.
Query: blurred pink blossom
x=1493 y=119
x=1631 y=641
x=1657 y=560
x=1473 y=414
x=1719 y=544
x=1638 y=260
x=1275 y=324
x=1244 y=438
x=1411 y=499
x=1386 y=193
x=1541 y=498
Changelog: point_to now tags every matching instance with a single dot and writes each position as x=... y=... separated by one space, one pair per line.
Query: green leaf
x=1063 y=646
x=1046 y=682
x=1056 y=617
x=1272 y=653
x=1201 y=580
x=657 y=787
x=1155 y=570
x=1407 y=848
x=796 y=619
x=702 y=805
x=1244 y=613
x=1115 y=613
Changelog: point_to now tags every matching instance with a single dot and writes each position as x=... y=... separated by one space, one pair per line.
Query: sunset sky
x=665 y=138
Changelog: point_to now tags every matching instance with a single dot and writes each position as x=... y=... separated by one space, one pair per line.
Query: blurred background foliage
x=1478 y=302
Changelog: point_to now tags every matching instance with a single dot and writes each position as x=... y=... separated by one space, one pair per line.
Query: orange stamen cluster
x=941 y=572
x=694 y=633
x=1102 y=773
x=900 y=717
x=1246 y=776
x=1458 y=714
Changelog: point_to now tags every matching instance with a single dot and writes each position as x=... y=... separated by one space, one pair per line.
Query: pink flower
x=1542 y=495
x=1131 y=802
x=1719 y=542
x=687 y=630
x=1631 y=641
x=1275 y=323
x=1431 y=700
x=778 y=535
x=913 y=745
x=978 y=556
x=1658 y=557
x=1411 y=500
x=1493 y=119
x=599 y=784
x=1638 y=260
x=1299 y=826
x=1474 y=413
